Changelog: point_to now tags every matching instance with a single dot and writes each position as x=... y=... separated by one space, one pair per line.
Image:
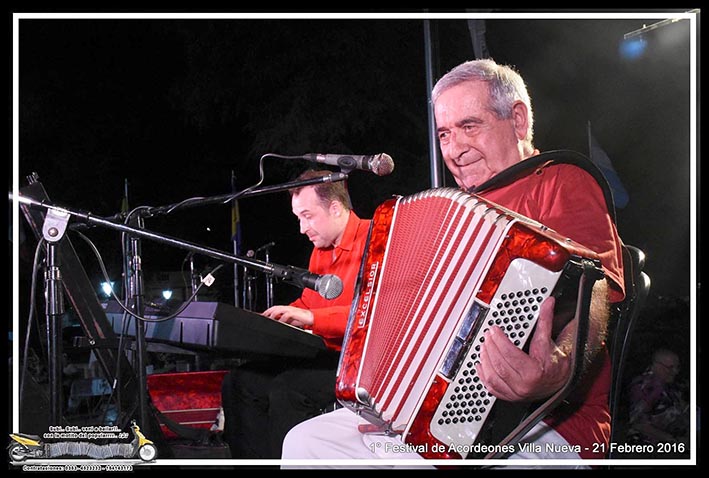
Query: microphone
x=379 y=164
x=328 y=286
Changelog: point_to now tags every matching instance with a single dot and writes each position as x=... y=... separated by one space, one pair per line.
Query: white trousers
x=334 y=436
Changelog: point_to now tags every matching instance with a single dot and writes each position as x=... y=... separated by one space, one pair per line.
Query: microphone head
x=329 y=286
x=382 y=164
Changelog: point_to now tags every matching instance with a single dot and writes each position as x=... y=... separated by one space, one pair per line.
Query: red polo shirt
x=330 y=315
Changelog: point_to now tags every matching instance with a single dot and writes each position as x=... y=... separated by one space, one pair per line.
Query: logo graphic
x=23 y=446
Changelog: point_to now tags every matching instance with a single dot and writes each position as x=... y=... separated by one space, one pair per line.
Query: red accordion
x=441 y=267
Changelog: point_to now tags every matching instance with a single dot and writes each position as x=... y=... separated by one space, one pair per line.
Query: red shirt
x=330 y=315
x=567 y=199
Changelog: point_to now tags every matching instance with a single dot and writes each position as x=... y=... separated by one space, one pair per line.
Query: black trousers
x=264 y=399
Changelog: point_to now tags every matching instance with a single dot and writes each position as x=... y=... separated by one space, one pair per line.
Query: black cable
x=261 y=176
x=126 y=309
x=32 y=314
x=188 y=201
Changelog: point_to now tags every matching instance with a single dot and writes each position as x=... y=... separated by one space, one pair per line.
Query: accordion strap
x=197 y=435
x=541 y=161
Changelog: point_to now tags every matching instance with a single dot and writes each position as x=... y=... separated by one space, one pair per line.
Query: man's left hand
x=290 y=315
x=513 y=375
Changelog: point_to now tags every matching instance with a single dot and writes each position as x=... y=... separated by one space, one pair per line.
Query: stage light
x=167 y=293
x=633 y=48
x=107 y=288
x=635 y=43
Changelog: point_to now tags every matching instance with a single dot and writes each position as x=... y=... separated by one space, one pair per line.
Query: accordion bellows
x=440 y=268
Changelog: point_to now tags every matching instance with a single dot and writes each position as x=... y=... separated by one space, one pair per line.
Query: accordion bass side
x=440 y=268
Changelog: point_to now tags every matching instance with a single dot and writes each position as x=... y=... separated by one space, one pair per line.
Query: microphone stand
x=236 y=238
x=193 y=279
x=53 y=230
x=269 y=281
x=287 y=273
x=266 y=248
x=248 y=292
x=136 y=293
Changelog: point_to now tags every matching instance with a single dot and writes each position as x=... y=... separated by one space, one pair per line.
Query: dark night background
x=174 y=106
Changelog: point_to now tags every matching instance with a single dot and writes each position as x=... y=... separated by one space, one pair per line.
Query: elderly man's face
x=476 y=145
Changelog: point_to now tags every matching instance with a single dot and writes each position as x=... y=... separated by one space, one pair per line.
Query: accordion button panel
x=462 y=413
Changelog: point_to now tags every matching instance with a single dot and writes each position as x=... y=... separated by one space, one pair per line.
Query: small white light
x=107 y=288
x=167 y=294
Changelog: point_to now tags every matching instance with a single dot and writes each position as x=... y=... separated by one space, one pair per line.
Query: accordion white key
x=440 y=268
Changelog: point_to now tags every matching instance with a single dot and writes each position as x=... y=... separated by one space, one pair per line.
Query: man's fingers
x=497 y=358
x=541 y=343
x=274 y=312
